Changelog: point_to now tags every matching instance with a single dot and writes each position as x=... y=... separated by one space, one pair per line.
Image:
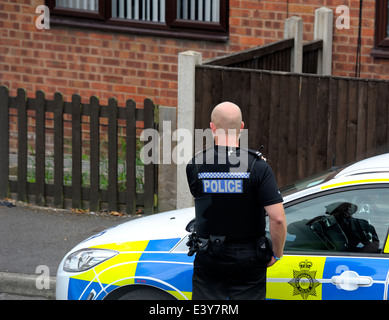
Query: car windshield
x=311 y=181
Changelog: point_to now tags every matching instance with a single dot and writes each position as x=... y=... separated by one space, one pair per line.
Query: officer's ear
x=212 y=126
x=242 y=126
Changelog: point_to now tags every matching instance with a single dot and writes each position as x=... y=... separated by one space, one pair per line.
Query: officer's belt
x=220 y=241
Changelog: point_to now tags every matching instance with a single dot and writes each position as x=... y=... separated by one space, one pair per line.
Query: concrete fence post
x=167 y=172
x=187 y=62
x=293 y=28
x=323 y=30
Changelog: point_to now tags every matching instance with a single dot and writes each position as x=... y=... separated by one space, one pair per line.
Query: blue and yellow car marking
x=139 y=262
x=295 y=277
x=347 y=183
x=310 y=278
x=376 y=268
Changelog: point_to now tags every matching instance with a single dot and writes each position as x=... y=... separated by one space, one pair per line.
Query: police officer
x=232 y=188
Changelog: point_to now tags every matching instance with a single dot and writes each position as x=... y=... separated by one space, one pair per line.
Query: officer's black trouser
x=238 y=274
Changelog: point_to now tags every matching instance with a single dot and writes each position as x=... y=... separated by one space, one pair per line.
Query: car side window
x=345 y=221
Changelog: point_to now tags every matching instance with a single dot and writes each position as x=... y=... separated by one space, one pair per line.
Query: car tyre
x=147 y=294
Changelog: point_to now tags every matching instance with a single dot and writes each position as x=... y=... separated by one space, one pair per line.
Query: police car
x=337 y=246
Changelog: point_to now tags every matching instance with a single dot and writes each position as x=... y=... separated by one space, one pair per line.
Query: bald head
x=226 y=118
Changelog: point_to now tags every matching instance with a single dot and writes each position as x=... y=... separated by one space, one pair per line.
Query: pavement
x=32 y=237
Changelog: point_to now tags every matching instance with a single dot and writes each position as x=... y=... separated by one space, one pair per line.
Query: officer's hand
x=263 y=158
x=271 y=262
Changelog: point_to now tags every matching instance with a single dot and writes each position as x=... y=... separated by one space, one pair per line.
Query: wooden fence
x=275 y=56
x=307 y=123
x=78 y=192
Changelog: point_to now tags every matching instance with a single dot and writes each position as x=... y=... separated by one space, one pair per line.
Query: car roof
x=370 y=165
x=374 y=169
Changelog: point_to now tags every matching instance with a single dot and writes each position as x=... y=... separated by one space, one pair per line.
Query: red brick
x=131 y=65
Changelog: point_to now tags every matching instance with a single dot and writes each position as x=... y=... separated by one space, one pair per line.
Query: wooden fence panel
x=332 y=110
x=76 y=152
x=382 y=116
x=371 y=117
x=310 y=55
x=254 y=119
x=291 y=151
x=21 y=106
x=272 y=56
x=112 y=154
x=40 y=147
x=322 y=129
x=4 y=141
x=362 y=119
x=352 y=122
x=58 y=150
x=94 y=202
x=283 y=119
x=130 y=154
x=312 y=125
x=80 y=191
x=307 y=123
x=149 y=168
x=302 y=134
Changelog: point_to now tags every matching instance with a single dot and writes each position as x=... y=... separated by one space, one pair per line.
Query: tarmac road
x=33 y=236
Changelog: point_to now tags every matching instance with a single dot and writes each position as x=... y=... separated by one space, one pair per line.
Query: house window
x=189 y=19
x=387 y=20
x=91 y=5
x=381 y=41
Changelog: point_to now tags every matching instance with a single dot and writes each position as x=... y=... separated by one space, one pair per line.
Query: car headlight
x=85 y=259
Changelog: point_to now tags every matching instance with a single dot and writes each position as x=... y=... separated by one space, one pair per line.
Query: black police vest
x=226 y=204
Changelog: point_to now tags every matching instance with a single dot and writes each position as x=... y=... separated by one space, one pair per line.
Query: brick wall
x=130 y=66
x=107 y=64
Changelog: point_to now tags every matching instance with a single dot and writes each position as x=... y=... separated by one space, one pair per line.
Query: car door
x=336 y=247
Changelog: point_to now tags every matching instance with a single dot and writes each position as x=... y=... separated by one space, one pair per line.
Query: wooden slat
x=254 y=122
x=264 y=113
x=94 y=203
x=283 y=129
x=313 y=45
x=149 y=171
x=242 y=98
x=382 y=118
x=76 y=152
x=322 y=122
x=352 y=121
x=215 y=80
x=291 y=161
x=40 y=149
x=21 y=105
x=199 y=97
x=302 y=139
x=274 y=121
x=58 y=150
x=4 y=141
x=310 y=55
x=362 y=120
x=312 y=125
x=332 y=121
x=254 y=53
x=130 y=157
x=228 y=85
x=371 y=133
x=112 y=155
x=341 y=128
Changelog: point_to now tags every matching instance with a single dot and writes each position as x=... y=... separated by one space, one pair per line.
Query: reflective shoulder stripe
x=224 y=175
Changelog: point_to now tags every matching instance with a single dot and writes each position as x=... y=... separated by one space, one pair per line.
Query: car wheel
x=147 y=294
